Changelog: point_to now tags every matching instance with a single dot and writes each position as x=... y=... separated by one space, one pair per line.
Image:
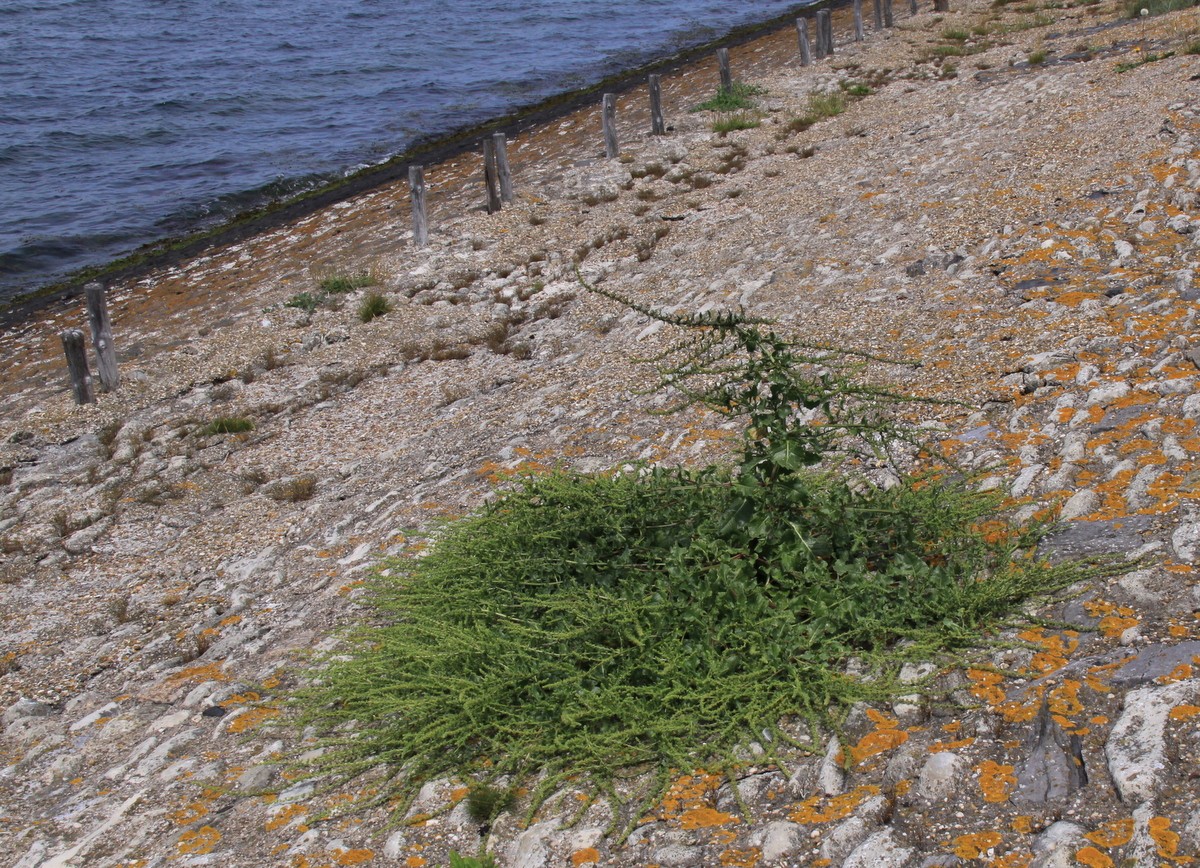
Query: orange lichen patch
x=938 y=747
x=1077 y=297
x=985 y=685
x=1099 y=720
x=1113 y=626
x=1056 y=648
x=902 y=787
x=1166 y=840
x=458 y=794
x=200 y=673
x=285 y=816
x=741 y=858
x=1182 y=672
x=1114 y=619
x=690 y=791
x=253 y=718
x=1064 y=699
x=975 y=845
x=1113 y=834
x=199 y=842
x=825 y=809
x=241 y=699
x=885 y=737
x=952 y=726
x=1092 y=858
x=1016 y=712
x=414 y=862
x=1012 y=860
x=996 y=780
x=1094 y=682
x=586 y=856
x=353 y=857
x=1184 y=711
x=705 y=818
x=1023 y=824
x=188 y=814
x=1178 y=630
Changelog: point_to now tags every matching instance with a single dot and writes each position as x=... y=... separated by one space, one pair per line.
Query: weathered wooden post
x=805 y=49
x=416 y=192
x=878 y=15
x=888 y=19
x=824 y=34
x=77 y=366
x=500 y=143
x=489 y=176
x=858 y=21
x=912 y=7
x=102 y=337
x=941 y=5
x=658 y=126
x=612 y=148
x=726 y=75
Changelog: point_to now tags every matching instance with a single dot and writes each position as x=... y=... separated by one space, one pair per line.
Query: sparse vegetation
x=227 y=425
x=1037 y=57
x=338 y=284
x=727 y=123
x=737 y=98
x=1144 y=59
x=1133 y=8
x=374 y=305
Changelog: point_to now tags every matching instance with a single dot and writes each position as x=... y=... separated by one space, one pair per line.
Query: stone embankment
x=1026 y=229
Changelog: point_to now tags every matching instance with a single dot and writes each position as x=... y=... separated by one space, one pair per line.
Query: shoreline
x=431 y=150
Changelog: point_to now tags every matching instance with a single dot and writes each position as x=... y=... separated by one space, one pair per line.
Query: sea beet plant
x=583 y=627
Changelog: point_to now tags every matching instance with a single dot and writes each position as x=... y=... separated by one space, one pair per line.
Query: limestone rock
x=1136 y=750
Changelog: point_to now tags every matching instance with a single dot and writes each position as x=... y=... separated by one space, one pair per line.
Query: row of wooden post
x=82 y=386
x=498 y=177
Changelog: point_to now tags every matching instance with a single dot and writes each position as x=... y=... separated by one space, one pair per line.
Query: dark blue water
x=124 y=121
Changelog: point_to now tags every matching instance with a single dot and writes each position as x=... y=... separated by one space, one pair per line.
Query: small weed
x=740 y=96
x=1148 y=58
x=826 y=105
x=340 y=284
x=293 y=490
x=118 y=607
x=954 y=34
x=306 y=301
x=949 y=71
x=1192 y=48
x=737 y=121
x=1036 y=58
x=856 y=89
x=485 y=803
x=372 y=306
x=457 y=861
x=227 y=425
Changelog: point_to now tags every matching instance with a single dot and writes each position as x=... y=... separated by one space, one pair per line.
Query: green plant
x=1192 y=48
x=659 y=618
x=227 y=425
x=342 y=283
x=1038 y=57
x=855 y=89
x=485 y=803
x=1143 y=60
x=372 y=306
x=457 y=861
x=954 y=34
x=727 y=123
x=306 y=301
x=740 y=96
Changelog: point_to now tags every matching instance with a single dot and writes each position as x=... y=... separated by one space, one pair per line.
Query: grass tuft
x=339 y=284
x=227 y=425
x=372 y=306
x=1038 y=57
x=727 y=123
x=1133 y=8
x=736 y=98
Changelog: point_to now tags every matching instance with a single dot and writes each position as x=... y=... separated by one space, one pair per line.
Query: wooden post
x=888 y=19
x=489 y=176
x=824 y=34
x=858 y=21
x=658 y=126
x=912 y=7
x=941 y=5
x=77 y=366
x=501 y=144
x=723 y=64
x=416 y=187
x=878 y=15
x=612 y=148
x=102 y=337
x=805 y=49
